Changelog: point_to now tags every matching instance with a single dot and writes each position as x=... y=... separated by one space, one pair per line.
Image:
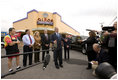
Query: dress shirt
x=26 y=40
x=46 y=35
x=57 y=34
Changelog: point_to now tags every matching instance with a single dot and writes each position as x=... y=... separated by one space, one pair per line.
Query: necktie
x=30 y=39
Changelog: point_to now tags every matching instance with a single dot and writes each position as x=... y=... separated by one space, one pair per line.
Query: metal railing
x=22 y=68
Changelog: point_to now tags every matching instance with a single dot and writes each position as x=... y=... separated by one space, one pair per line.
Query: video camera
x=108 y=28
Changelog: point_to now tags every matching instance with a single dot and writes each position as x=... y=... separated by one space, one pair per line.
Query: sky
x=79 y=14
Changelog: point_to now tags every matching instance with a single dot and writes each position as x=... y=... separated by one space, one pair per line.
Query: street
x=75 y=68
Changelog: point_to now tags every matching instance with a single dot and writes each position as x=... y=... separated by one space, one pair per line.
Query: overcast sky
x=79 y=14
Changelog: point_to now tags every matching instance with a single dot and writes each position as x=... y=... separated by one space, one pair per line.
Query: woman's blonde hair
x=36 y=33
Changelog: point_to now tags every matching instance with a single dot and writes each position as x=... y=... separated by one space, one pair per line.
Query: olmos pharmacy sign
x=45 y=21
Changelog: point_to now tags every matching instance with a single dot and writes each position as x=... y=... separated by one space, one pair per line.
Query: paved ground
x=75 y=68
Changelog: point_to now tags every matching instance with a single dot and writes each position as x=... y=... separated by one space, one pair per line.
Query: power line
x=113 y=20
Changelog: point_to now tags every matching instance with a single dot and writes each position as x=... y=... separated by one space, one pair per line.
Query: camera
x=108 y=28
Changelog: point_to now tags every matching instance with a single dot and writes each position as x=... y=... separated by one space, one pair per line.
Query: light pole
x=102 y=24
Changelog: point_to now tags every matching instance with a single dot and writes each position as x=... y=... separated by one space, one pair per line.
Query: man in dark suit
x=45 y=39
x=67 y=42
x=56 y=39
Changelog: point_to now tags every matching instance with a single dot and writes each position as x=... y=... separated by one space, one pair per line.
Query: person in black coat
x=56 y=40
x=111 y=43
x=67 y=42
x=45 y=39
x=102 y=55
x=90 y=52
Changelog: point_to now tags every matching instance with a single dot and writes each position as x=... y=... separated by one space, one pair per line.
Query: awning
x=66 y=33
x=20 y=30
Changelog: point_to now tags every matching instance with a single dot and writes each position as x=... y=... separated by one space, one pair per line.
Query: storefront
x=39 y=21
x=3 y=34
x=19 y=34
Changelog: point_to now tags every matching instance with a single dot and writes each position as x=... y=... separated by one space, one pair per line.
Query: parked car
x=76 y=44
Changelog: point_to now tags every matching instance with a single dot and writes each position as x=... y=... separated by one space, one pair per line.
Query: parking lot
x=75 y=68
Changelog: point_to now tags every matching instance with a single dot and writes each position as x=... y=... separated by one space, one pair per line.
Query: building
x=3 y=34
x=39 y=21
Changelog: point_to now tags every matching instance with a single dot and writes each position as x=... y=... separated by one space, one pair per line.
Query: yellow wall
x=31 y=23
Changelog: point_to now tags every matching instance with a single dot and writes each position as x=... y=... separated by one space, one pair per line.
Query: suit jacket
x=44 y=41
x=103 y=56
x=59 y=40
x=67 y=43
x=37 y=42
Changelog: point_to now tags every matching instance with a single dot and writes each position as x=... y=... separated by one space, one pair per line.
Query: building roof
x=38 y=12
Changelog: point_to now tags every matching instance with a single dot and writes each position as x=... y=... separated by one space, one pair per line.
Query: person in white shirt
x=28 y=41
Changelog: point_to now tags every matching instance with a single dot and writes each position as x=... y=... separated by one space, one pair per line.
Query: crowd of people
x=36 y=43
x=101 y=47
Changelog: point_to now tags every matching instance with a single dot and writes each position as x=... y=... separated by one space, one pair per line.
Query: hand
x=39 y=44
x=46 y=45
x=18 y=42
x=106 y=33
x=114 y=31
x=55 y=42
x=65 y=40
x=67 y=46
x=30 y=45
x=98 y=39
x=94 y=62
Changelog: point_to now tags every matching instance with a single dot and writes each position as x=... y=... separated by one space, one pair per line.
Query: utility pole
x=102 y=24
x=113 y=20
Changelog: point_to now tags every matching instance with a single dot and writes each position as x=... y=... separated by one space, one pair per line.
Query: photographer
x=91 y=55
x=111 y=43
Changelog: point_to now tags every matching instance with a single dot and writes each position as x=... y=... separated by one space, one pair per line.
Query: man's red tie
x=30 y=39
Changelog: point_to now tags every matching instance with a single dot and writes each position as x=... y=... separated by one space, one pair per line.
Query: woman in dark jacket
x=90 y=52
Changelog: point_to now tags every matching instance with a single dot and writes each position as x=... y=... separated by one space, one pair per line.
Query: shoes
x=89 y=66
x=10 y=70
x=18 y=67
x=30 y=64
x=57 y=67
x=61 y=66
x=44 y=68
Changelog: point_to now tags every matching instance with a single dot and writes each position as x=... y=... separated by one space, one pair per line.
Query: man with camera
x=108 y=41
x=112 y=45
